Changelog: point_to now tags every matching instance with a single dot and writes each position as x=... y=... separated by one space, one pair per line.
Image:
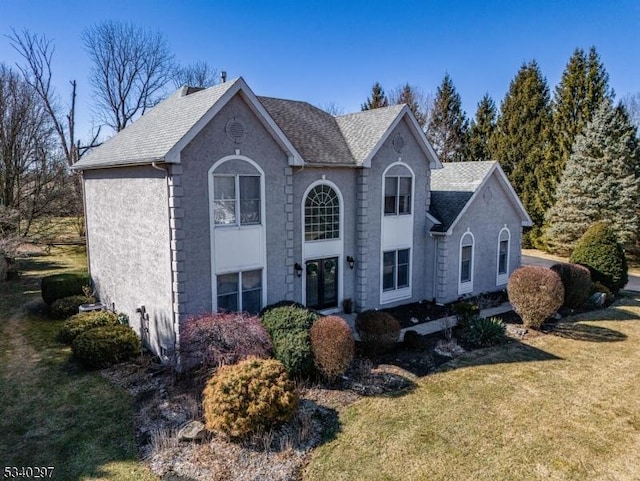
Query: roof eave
x=112 y=165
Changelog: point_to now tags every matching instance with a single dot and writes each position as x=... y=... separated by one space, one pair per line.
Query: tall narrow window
x=395 y=270
x=240 y=291
x=236 y=199
x=465 y=284
x=397 y=195
x=321 y=214
x=503 y=256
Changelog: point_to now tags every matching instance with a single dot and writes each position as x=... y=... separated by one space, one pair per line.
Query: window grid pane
x=404 y=198
x=502 y=257
x=224 y=199
x=388 y=270
x=322 y=214
x=403 y=268
x=249 y=199
x=390 y=195
x=465 y=265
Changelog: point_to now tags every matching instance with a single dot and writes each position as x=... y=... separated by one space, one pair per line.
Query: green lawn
x=53 y=412
x=557 y=407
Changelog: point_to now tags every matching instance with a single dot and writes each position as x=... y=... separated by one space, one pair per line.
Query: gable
x=457 y=186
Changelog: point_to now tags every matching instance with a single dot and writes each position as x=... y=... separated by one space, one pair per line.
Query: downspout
x=176 y=334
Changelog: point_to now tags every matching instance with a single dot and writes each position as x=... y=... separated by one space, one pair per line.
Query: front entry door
x=322 y=283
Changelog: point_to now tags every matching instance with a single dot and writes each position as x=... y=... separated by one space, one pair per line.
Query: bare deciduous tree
x=418 y=102
x=32 y=171
x=199 y=74
x=131 y=67
x=631 y=103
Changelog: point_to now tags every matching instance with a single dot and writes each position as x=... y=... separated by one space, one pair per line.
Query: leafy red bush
x=378 y=330
x=576 y=280
x=535 y=293
x=332 y=344
x=211 y=340
x=243 y=398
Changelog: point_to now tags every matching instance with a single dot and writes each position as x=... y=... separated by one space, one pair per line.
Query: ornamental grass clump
x=599 y=250
x=535 y=293
x=378 y=330
x=576 y=280
x=211 y=340
x=333 y=346
x=484 y=331
x=85 y=321
x=247 y=397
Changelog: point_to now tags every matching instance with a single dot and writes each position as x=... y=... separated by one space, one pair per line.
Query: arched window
x=504 y=239
x=321 y=214
x=465 y=282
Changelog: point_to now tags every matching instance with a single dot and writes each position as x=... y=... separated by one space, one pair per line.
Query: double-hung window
x=395 y=270
x=236 y=199
x=240 y=291
x=397 y=195
x=503 y=256
x=465 y=284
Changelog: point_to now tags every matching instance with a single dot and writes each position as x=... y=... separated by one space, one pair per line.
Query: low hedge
x=107 y=345
x=84 y=321
x=58 y=286
x=68 y=306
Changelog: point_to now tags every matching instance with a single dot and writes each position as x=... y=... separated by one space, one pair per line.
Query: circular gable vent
x=235 y=130
x=398 y=143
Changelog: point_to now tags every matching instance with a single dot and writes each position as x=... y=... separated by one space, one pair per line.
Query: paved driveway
x=632 y=285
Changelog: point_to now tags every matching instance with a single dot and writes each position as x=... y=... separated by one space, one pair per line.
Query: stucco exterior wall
x=197 y=158
x=492 y=210
x=127 y=219
x=422 y=249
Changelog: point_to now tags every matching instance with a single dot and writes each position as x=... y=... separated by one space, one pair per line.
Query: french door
x=322 y=283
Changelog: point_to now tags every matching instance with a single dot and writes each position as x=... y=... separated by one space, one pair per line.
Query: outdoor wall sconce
x=351 y=261
x=298 y=268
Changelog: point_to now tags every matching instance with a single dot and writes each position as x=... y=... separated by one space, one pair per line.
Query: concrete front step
x=431 y=326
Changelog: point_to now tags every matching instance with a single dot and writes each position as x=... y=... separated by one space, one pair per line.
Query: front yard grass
x=53 y=412
x=556 y=407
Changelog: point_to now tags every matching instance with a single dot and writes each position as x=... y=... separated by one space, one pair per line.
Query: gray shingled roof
x=363 y=130
x=152 y=136
x=323 y=138
x=453 y=186
x=312 y=131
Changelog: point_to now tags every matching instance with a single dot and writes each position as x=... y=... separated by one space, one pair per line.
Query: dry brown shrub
x=535 y=293
x=333 y=346
x=576 y=280
x=378 y=331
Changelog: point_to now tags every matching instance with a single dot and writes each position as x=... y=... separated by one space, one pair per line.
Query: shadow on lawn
x=587 y=332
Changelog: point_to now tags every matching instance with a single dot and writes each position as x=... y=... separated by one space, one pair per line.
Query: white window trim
x=212 y=225
x=237 y=200
x=387 y=297
x=240 y=291
x=334 y=247
x=467 y=286
x=502 y=279
x=397 y=196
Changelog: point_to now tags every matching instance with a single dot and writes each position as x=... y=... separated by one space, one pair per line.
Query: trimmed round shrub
x=243 y=398
x=211 y=340
x=68 y=306
x=576 y=280
x=333 y=346
x=484 y=332
x=84 y=321
x=58 y=286
x=105 y=346
x=535 y=293
x=289 y=328
x=599 y=250
x=378 y=330
x=280 y=304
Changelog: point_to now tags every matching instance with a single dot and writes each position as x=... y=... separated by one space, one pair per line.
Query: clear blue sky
x=330 y=51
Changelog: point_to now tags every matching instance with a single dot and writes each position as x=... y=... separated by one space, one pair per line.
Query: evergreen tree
x=482 y=129
x=378 y=98
x=582 y=88
x=448 y=127
x=599 y=182
x=521 y=135
x=415 y=100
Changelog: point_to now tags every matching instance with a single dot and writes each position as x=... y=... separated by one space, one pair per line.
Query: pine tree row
x=573 y=160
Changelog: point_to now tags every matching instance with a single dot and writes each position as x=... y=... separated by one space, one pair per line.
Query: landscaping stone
x=597 y=299
x=192 y=431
